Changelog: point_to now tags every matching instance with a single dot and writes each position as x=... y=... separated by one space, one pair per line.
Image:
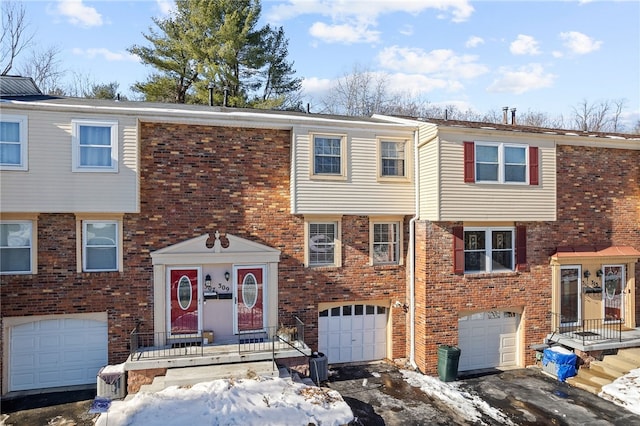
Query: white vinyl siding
x=14 y=130
x=484 y=202
x=360 y=192
x=50 y=185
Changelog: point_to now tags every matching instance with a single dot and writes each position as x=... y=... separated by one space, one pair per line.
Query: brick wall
x=598 y=203
x=196 y=180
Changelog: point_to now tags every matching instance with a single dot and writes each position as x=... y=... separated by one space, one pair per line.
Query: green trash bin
x=448 y=358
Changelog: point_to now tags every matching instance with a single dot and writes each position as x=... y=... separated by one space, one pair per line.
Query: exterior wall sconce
x=587 y=274
x=207 y=282
x=227 y=275
x=599 y=273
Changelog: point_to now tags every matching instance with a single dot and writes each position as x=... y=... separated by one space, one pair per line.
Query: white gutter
x=412 y=257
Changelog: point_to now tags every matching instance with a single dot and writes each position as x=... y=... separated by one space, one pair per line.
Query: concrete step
x=606 y=368
x=619 y=362
x=630 y=354
x=596 y=377
x=581 y=383
x=192 y=375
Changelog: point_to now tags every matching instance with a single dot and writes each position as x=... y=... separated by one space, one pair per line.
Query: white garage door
x=58 y=352
x=488 y=340
x=353 y=333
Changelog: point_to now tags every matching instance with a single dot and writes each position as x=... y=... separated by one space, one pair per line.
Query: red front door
x=184 y=301
x=249 y=299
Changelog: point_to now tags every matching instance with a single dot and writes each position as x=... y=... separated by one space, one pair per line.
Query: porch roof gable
x=195 y=251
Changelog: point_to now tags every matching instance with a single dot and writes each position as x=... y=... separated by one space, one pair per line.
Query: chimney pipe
x=513 y=116
x=226 y=96
x=505 y=117
x=210 y=87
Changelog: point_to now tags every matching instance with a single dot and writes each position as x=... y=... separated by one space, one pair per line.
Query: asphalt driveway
x=378 y=394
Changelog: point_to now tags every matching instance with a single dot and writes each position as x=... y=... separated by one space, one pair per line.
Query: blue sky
x=544 y=56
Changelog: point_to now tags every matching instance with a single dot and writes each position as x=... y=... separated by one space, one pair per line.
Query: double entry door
x=185 y=296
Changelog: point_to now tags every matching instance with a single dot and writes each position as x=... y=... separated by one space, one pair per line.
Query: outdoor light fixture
x=227 y=275
x=587 y=274
x=207 y=282
x=599 y=273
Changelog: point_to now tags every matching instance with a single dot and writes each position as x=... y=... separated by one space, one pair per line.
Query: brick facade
x=597 y=204
x=196 y=180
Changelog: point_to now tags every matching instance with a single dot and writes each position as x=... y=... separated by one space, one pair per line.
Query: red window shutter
x=521 y=248
x=469 y=162
x=458 y=249
x=534 y=168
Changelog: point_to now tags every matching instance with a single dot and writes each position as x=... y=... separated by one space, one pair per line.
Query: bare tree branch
x=14 y=37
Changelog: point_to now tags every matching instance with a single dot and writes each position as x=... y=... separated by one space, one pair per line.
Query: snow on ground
x=469 y=406
x=260 y=401
x=624 y=391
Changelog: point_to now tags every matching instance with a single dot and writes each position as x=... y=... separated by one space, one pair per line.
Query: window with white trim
x=100 y=245
x=95 y=146
x=322 y=242
x=328 y=155
x=16 y=247
x=13 y=142
x=392 y=159
x=489 y=250
x=501 y=162
x=385 y=242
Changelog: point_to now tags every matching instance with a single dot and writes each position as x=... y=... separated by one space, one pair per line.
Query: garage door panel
x=487 y=340
x=56 y=352
x=360 y=331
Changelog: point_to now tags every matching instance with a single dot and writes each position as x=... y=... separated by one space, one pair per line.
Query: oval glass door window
x=249 y=291
x=184 y=293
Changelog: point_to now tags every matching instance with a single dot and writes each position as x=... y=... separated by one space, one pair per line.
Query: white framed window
x=328 y=156
x=322 y=241
x=385 y=237
x=101 y=245
x=501 y=162
x=13 y=142
x=489 y=250
x=17 y=247
x=95 y=146
x=392 y=159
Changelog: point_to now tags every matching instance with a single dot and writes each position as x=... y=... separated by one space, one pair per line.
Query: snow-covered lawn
x=260 y=401
x=624 y=391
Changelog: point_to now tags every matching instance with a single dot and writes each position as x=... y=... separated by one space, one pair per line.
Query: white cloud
x=524 y=79
x=460 y=10
x=314 y=86
x=442 y=63
x=354 y=20
x=474 y=41
x=578 y=43
x=79 y=14
x=344 y=33
x=524 y=45
x=416 y=84
x=110 y=56
x=166 y=6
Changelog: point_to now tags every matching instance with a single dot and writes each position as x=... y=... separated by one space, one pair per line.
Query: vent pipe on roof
x=513 y=116
x=505 y=118
x=225 y=102
x=210 y=87
x=446 y=114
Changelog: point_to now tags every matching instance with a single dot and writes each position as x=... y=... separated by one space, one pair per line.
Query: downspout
x=412 y=257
